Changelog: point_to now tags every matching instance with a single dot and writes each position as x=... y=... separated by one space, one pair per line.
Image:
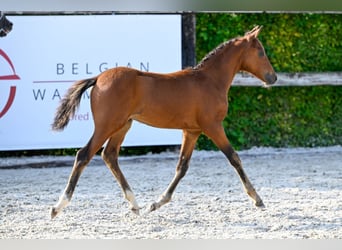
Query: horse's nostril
x=270 y=78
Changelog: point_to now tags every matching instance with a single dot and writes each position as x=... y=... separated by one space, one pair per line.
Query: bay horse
x=194 y=100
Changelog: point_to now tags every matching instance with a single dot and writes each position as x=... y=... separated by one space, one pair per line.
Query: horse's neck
x=223 y=66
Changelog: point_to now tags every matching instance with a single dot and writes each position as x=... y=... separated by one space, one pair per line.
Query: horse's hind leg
x=110 y=156
x=188 y=144
x=217 y=134
x=82 y=158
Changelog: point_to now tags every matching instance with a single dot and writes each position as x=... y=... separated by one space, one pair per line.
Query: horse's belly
x=167 y=120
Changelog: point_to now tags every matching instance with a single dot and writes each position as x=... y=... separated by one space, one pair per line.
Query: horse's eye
x=261 y=53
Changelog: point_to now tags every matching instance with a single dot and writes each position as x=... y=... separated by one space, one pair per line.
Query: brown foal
x=194 y=100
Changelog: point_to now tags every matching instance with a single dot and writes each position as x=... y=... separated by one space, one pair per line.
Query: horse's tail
x=71 y=102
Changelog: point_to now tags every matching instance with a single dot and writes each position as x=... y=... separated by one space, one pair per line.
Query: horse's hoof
x=136 y=211
x=54 y=213
x=153 y=207
x=260 y=204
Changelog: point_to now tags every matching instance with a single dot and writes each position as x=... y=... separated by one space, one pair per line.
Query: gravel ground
x=301 y=188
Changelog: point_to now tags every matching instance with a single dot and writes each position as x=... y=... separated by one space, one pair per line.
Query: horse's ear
x=253 y=33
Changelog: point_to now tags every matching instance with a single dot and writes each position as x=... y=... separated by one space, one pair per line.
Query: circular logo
x=12 y=91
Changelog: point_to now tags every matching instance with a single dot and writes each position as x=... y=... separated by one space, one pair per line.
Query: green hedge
x=281 y=116
x=293 y=42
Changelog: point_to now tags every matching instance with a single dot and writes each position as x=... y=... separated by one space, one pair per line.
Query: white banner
x=43 y=55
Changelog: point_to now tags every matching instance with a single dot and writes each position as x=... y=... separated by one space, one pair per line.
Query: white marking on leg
x=62 y=203
x=165 y=198
x=131 y=198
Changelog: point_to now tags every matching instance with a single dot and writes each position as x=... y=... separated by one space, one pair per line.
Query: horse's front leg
x=188 y=144
x=217 y=134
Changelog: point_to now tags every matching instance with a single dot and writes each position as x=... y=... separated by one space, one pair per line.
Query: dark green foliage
x=293 y=42
x=56 y=152
x=281 y=116
x=125 y=151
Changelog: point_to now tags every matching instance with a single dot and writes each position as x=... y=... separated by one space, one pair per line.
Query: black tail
x=70 y=103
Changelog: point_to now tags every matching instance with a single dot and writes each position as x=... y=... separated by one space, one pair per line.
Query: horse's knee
x=232 y=156
x=235 y=160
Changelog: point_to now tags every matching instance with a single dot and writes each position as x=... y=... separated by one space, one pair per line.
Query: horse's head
x=255 y=60
x=5 y=25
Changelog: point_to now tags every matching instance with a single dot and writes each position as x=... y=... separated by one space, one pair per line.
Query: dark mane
x=218 y=49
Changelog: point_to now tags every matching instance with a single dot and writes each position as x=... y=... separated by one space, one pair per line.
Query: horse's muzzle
x=270 y=78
